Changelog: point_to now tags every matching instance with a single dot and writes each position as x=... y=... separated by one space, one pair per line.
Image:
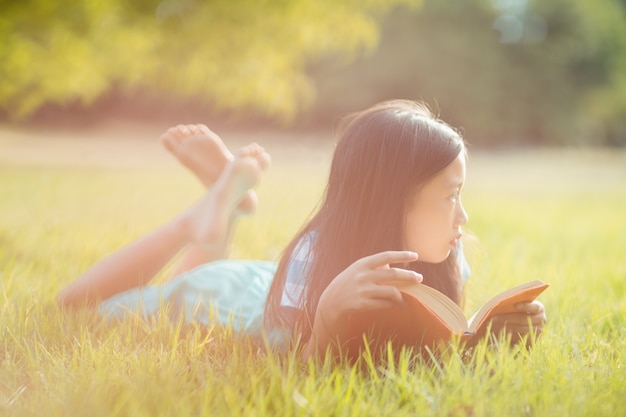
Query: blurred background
x=505 y=72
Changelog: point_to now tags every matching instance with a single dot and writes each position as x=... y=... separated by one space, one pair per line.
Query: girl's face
x=434 y=215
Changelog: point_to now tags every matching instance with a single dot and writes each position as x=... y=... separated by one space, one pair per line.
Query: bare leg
x=204 y=153
x=204 y=224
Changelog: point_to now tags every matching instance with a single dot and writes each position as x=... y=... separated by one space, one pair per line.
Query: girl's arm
x=131 y=266
x=357 y=288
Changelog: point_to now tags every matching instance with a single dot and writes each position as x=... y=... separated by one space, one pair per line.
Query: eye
x=455 y=197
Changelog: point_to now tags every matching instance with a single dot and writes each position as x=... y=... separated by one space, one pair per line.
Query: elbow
x=67 y=299
x=63 y=300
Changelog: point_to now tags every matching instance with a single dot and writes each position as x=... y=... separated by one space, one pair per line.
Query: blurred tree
x=506 y=72
x=599 y=69
x=233 y=54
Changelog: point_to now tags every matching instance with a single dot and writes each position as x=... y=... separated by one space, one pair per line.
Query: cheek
x=417 y=236
x=428 y=238
x=412 y=242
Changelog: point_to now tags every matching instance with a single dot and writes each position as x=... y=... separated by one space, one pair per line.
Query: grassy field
x=558 y=215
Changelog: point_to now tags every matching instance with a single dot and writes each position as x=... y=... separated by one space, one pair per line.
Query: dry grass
x=67 y=200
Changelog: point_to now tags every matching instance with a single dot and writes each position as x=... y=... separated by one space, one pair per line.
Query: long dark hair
x=383 y=155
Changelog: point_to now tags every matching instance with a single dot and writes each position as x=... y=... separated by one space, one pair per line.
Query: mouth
x=454 y=242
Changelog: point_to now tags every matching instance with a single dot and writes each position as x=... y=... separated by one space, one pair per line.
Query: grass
x=555 y=215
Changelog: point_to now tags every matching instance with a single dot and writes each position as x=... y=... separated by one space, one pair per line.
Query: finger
x=515 y=319
x=380 y=292
x=517 y=337
x=396 y=276
x=381 y=259
x=538 y=320
x=516 y=329
x=509 y=320
x=522 y=330
x=378 y=303
x=530 y=308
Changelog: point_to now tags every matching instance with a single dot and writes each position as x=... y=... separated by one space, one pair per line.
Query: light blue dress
x=226 y=292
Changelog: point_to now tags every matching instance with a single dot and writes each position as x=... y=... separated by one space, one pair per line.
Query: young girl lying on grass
x=391 y=212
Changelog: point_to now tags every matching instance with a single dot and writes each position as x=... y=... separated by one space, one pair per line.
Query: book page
x=505 y=302
x=439 y=304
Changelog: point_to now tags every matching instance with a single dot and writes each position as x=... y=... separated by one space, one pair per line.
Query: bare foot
x=207 y=222
x=204 y=153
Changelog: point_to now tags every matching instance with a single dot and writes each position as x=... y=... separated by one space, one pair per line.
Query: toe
x=204 y=129
x=264 y=160
x=181 y=131
x=169 y=140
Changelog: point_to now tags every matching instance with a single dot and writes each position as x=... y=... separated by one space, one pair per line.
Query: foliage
x=234 y=54
x=531 y=221
x=547 y=72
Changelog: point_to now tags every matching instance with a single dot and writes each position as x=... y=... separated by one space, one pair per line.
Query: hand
x=361 y=287
x=518 y=325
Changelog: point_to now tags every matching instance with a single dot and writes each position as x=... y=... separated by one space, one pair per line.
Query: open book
x=429 y=318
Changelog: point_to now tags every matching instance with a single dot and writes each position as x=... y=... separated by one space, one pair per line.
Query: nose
x=461 y=215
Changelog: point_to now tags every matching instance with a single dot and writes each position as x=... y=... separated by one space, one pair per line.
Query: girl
x=391 y=213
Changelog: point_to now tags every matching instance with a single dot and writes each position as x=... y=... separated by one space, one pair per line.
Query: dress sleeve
x=464 y=267
x=297 y=270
